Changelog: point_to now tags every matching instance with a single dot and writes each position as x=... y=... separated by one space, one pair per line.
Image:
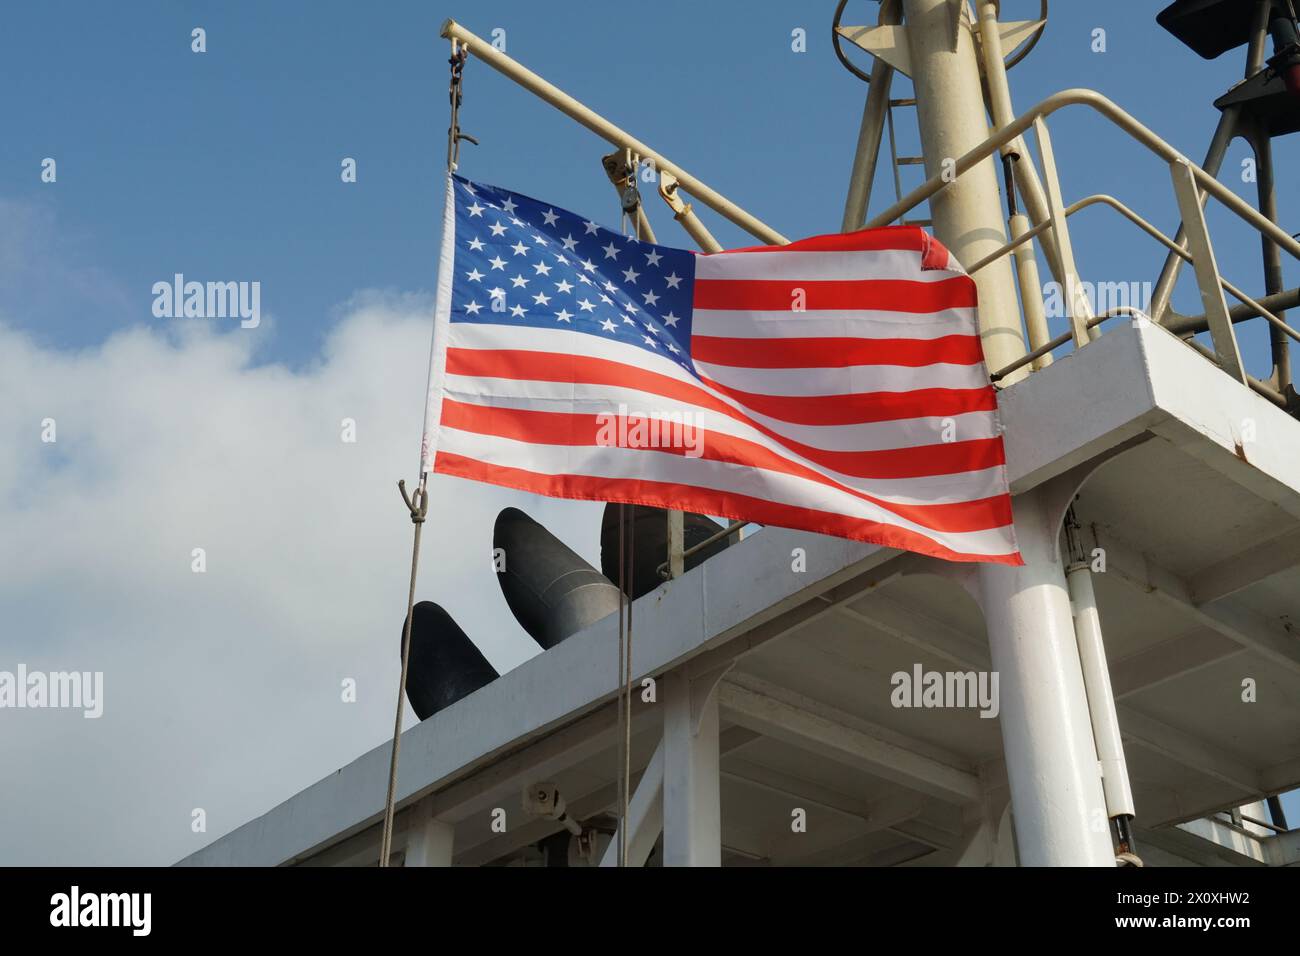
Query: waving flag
x=833 y=385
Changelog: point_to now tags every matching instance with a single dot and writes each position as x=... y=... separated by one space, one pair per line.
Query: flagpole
x=418 y=504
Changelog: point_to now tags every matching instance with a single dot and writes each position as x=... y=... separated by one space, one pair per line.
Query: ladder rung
x=903 y=102
x=911 y=160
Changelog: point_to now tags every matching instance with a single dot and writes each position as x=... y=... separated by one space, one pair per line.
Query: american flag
x=833 y=385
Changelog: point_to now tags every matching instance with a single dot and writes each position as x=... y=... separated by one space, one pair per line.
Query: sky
x=175 y=434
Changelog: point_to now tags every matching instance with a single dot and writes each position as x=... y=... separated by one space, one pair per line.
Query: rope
x=630 y=201
x=418 y=506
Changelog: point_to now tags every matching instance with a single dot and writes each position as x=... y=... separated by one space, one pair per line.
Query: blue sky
x=226 y=166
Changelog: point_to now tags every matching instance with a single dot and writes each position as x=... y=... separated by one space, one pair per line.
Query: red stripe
x=864 y=406
x=659 y=494
x=836 y=352
x=565 y=428
x=886 y=295
x=523 y=365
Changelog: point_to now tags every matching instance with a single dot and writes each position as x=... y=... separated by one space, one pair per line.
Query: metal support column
x=967 y=213
x=1056 y=792
x=691 y=811
x=429 y=841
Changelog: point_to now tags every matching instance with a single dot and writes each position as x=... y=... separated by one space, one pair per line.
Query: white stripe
x=833 y=323
x=813 y=266
x=849 y=380
x=626 y=463
x=595 y=399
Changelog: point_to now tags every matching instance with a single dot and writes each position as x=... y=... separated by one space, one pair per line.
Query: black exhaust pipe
x=552 y=592
x=444 y=664
x=650 y=543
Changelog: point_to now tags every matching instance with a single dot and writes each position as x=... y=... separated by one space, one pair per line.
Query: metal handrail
x=1119 y=117
x=1147 y=227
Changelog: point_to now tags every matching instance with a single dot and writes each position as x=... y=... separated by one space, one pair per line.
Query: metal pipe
x=867 y=155
x=1003 y=113
x=1273 y=283
x=1101 y=699
x=711 y=539
x=515 y=71
x=1224 y=133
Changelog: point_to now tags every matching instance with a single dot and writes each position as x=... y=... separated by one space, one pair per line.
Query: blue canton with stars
x=522 y=262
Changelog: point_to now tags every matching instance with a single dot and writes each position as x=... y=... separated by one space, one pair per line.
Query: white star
x=497 y=293
x=652 y=258
x=542 y=298
x=498 y=229
x=650 y=298
x=518 y=312
x=672 y=348
x=563 y=285
x=650 y=341
x=569 y=242
x=476 y=244
x=582 y=278
x=606 y=299
x=541 y=268
x=539 y=240
x=519 y=282
x=628 y=321
x=588 y=265
x=508 y=206
x=650 y=328
x=497 y=263
x=610 y=287
x=475 y=210
x=630 y=307
x=673 y=281
x=563 y=316
x=469 y=189
x=630 y=275
x=586 y=305
x=520 y=249
x=611 y=251
x=550 y=217
x=607 y=325
x=473 y=275
x=473 y=308
x=591 y=228
x=518 y=222
x=671 y=320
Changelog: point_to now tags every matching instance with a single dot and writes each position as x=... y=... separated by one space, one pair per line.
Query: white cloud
x=221 y=690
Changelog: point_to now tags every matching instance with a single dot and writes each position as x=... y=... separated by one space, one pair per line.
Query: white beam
x=1245 y=568
x=804 y=722
x=1235 y=621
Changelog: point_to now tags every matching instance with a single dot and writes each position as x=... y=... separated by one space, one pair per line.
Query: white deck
x=1201 y=530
